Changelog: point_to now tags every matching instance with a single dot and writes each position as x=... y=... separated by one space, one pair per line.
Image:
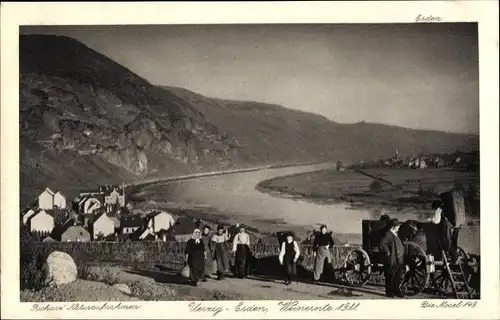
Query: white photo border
x=485 y=13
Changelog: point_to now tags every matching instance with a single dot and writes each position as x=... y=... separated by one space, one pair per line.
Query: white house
x=104 y=226
x=130 y=225
x=46 y=199
x=88 y=203
x=112 y=198
x=27 y=215
x=81 y=202
x=93 y=207
x=41 y=222
x=160 y=220
x=60 y=200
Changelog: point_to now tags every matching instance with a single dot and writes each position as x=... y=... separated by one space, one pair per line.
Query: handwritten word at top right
x=422 y=18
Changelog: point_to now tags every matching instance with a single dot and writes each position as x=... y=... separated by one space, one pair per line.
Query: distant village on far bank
x=461 y=161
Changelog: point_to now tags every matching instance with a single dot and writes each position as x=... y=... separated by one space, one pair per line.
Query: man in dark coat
x=393 y=251
x=323 y=241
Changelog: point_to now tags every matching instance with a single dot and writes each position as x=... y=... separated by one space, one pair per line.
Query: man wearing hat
x=393 y=257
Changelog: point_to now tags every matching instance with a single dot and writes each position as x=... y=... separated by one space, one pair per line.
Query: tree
x=100 y=236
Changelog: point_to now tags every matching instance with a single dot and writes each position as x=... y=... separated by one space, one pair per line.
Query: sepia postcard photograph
x=243 y=169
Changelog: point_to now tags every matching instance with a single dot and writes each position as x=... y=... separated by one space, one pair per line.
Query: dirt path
x=259 y=288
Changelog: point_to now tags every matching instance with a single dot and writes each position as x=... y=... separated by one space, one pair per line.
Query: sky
x=421 y=76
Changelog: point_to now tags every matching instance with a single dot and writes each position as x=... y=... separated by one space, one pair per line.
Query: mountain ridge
x=87 y=120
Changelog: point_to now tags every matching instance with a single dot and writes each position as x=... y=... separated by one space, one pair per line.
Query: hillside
x=86 y=120
x=78 y=104
x=273 y=132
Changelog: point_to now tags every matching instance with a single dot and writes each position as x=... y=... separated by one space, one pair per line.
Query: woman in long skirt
x=221 y=252
x=209 y=262
x=195 y=257
x=241 y=245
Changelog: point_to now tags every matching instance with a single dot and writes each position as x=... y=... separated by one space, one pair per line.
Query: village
x=461 y=161
x=98 y=215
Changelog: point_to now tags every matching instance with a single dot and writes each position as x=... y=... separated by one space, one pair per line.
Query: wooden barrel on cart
x=454 y=207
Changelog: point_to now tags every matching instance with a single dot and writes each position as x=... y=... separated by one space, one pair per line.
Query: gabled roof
x=28 y=214
x=48 y=191
x=116 y=221
x=99 y=214
x=59 y=212
x=158 y=212
x=75 y=227
x=30 y=210
x=37 y=212
x=60 y=229
x=131 y=222
x=49 y=239
x=184 y=225
x=60 y=193
x=82 y=200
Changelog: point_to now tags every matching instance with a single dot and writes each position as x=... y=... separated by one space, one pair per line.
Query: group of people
x=208 y=254
x=290 y=252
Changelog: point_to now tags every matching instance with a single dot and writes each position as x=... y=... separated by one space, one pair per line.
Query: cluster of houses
x=465 y=161
x=96 y=215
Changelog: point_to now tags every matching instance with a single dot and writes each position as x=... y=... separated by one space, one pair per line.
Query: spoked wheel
x=416 y=277
x=441 y=283
x=463 y=260
x=357 y=267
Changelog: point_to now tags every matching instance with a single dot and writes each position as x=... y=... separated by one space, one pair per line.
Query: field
x=391 y=188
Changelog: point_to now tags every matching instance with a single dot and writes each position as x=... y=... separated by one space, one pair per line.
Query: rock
x=123 y=288
x=59 y=269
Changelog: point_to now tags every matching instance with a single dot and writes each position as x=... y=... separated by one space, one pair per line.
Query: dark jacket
x=393 y=249
x=321 y=240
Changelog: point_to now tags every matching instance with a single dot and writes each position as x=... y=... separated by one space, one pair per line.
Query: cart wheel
x=440 y=282
x=357 y=267
x=416 y=277
x=464 y=259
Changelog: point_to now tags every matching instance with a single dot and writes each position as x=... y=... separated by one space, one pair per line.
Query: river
x=236 y=195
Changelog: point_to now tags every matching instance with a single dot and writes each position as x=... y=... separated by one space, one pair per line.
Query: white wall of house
x=46 y=200
x=93 y=207
x=87 y=204
x=162 y=220
x=129 y=230
x=121 y=200
x=42 y=221
x=112 y=198
x=104 y=225
x=60 y=200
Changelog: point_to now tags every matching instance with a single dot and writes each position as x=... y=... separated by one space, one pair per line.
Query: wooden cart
x=426 y=265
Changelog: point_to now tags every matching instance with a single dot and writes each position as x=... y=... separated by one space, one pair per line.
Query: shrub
x=106 y=274
x=145 y=253
x=152 y=291
x=31 y=262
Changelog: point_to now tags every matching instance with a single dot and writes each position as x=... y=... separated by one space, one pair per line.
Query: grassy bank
x=397 y=189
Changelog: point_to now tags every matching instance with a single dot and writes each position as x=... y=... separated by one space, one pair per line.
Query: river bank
x=301 y=205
